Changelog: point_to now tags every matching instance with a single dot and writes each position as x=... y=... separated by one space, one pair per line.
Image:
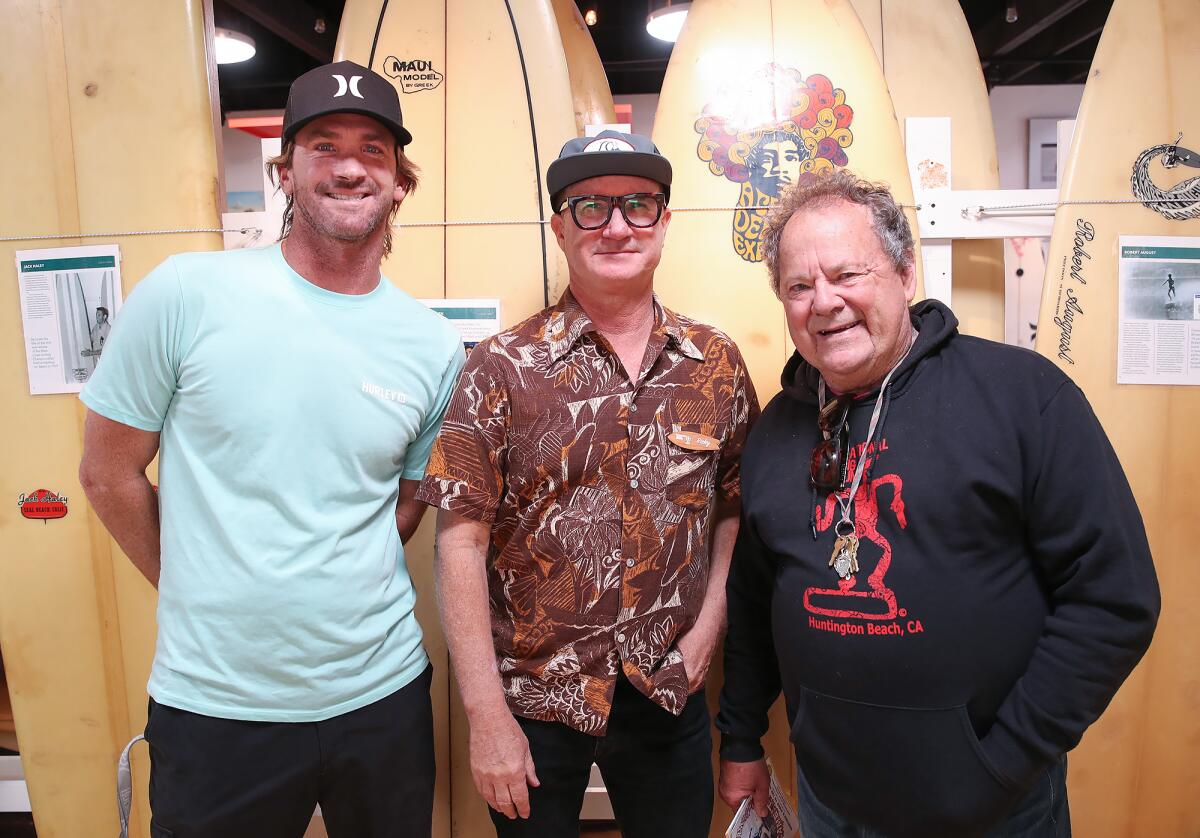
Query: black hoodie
x=1005 y=587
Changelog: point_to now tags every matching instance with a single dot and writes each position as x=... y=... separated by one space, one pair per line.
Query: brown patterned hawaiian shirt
x=600 y=523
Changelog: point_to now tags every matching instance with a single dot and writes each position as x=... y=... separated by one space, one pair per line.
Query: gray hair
x=895 y=236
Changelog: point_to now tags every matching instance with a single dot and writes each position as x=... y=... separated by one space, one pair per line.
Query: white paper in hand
x=780 y=822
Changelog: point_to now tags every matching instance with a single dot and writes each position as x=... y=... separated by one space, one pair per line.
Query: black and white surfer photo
x=1162 y=290
x=84 y=302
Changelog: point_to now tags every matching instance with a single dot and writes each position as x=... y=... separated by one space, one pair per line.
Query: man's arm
x=1088 y=539
x=751 y=673
x=409 y=510
x=501 y=764
x=739 y=780
x=113 y=475
x=698 y=643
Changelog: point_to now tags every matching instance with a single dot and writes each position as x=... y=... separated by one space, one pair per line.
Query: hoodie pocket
x=903 y=771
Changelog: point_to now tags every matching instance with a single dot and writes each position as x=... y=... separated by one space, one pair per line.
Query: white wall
x=644 y=106
x=243 y=161
x=1012 y=108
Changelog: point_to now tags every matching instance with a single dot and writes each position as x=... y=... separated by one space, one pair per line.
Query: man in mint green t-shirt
x=292 y=394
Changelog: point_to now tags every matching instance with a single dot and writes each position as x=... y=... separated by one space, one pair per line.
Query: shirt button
x=620 y=638
x=629 y=563
x=633 y=484
x=633 y=408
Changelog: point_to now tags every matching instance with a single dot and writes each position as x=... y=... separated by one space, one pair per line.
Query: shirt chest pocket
x=693 y=439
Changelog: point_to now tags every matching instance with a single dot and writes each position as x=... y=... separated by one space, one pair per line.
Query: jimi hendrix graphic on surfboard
x=808 y=135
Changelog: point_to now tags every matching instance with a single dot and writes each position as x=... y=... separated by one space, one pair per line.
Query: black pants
x=657 y=768
x=370 y=769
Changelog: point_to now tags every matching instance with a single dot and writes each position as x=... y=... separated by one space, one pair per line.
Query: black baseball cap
x=607 y=153
x=344 y=87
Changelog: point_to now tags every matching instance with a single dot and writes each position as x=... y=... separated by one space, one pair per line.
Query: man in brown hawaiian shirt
x=587 y=475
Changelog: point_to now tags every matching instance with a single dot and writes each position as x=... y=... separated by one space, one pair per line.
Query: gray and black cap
x=344 y=87
x=607 y=153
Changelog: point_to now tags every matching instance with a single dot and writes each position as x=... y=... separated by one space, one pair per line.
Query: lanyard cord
x=847 y=506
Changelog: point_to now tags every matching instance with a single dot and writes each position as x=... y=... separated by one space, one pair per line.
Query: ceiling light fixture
x=589 y=17
x=666 y=19
x=231 y=47
x=1010 y=13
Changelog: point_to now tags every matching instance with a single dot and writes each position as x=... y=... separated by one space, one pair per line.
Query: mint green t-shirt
x=288 y=415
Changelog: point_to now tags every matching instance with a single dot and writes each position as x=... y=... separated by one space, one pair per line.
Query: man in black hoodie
x=940 y=560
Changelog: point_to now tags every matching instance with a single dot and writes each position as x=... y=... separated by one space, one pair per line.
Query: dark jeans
x=370 y=769
x=657 y=769
x=1042 y=814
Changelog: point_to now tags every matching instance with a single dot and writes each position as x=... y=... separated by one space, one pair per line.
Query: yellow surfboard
x=485 y=90
x=589 y=86
x=116 y=134
x=932 y=69
x=757 y=94
x=1135 y=771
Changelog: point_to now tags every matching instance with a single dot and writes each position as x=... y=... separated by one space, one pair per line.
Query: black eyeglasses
x=640 y=209
x=827 y=464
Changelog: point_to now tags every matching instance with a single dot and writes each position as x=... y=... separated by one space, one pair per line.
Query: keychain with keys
x=844 y=559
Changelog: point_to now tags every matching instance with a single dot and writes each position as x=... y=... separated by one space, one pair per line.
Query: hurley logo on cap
x=343 y=85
